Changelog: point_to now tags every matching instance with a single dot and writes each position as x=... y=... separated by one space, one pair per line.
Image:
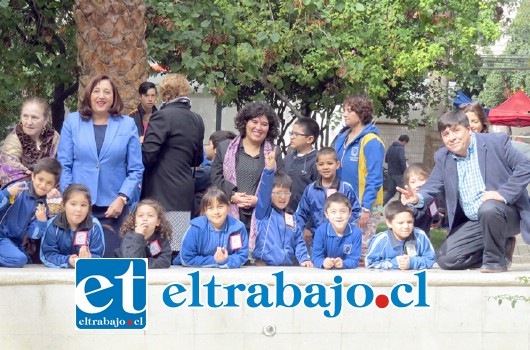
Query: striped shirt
x=471 y=185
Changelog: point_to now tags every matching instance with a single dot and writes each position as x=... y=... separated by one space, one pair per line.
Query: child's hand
x=328 y=263
x=408 y=196
x=84 y=252
x=40 y=212
x=339 y=263
x=403 y=262
x=72 y=260
x=54 y=193
x=17 y=188
x=220 y=255
x=307 y=263
x=270 y=159
x=140 y=228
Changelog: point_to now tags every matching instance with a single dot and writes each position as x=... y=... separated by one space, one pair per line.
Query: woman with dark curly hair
x=361 y=153
x=147 y=233
x=239 y=163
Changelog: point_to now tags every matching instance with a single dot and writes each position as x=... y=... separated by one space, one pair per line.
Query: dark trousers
x=393 y=181
x=485 y=242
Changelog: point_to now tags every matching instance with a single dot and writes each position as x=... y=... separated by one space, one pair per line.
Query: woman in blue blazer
x=100 y=149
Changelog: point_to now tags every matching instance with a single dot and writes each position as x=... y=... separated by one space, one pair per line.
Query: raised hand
x=408 y=196
x=270 y=159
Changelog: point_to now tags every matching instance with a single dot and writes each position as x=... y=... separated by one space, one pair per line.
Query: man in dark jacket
x=397 y=163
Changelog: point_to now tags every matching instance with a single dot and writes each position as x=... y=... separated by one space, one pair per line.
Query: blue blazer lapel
x=87 y=129
x=110 y=135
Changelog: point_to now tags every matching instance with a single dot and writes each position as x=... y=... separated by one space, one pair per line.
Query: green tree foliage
x=499 y=84
x=307 y=55
x=37 y=40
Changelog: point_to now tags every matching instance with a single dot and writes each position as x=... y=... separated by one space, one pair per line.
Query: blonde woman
x=172 y=147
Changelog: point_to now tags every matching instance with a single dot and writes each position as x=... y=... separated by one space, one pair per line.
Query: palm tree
x=111 y=41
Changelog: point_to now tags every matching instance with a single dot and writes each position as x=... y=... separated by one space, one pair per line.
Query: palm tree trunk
x=111 y=41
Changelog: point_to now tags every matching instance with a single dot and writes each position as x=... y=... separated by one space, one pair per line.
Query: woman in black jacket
x=172 y=146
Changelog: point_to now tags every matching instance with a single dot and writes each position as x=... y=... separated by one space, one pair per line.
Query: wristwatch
x=366 y=210
x=123 y=198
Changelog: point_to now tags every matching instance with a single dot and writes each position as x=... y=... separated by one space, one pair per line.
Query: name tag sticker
x=155 y=248
x=81 y=238
x=433 y=208
x=289 y=220
x=236 y=242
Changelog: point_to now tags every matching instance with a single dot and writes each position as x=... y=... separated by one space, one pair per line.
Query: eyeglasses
x=286 y=194
x=296 y=134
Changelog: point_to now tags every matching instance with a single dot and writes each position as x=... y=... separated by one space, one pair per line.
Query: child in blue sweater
x=402 y=246
x=23 y=212
x=214 y=239
x=73 y=233
x=311 y=206
x=337 y=243
x=279 y=241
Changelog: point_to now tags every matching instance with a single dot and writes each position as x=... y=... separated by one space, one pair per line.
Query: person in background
x=100 y=149
x=141 y=115
x=239 y=163
x=73 y=233
x=32 y=139
x=361 y=154
x=415 y=176
x=478 y=121
x=301 y=164
x=173 y=146
x=202 y=173
x=397 y=163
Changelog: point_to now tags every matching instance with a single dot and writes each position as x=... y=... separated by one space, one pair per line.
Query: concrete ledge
x=40 y=275
x=37 y=311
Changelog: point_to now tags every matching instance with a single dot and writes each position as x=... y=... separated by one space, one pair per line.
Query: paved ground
x=522 y=252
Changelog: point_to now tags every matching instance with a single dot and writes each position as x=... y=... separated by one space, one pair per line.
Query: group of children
x=326 y=207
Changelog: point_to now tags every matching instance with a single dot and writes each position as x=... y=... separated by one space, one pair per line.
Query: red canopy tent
x=515 y=111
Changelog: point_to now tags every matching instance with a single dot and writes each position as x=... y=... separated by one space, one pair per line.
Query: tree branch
x=282 y=97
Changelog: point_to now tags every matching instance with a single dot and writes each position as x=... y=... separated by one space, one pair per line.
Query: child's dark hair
x=309 y=126
x=396 y=207
x=281 y=179
x=339 y=198
x=326 y=151
x=49 y=165
x=221 y=135
x=145 y=86
x=213 y=194
x=415 y=168
x=164 y=229
x=77 y=188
